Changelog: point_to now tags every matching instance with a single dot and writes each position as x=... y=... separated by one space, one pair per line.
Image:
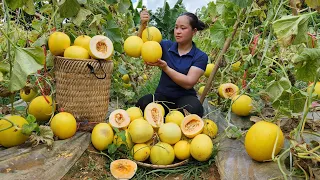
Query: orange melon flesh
x=119 y=119
x=123 y=168
x=192 y=125
x=228 y=90
x=153 y=114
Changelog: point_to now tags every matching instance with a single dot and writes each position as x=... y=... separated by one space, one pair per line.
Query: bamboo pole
x=217 y=63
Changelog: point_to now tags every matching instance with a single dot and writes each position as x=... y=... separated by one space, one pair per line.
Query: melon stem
x=12 y=124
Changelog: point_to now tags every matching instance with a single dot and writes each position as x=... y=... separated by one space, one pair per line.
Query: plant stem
x=279 y=163
x=308 y=102
x=281 y=67
x=314 y=24
x=313 y=133
x=244 y=24
x=102 y=153
x=6 y=10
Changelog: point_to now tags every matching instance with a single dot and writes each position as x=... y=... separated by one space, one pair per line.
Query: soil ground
x=91 y=166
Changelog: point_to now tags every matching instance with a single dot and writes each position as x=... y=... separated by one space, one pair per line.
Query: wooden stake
x=294 y=8
x=217 y=63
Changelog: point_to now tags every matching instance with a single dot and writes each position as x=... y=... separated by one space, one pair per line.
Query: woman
x=182 y=65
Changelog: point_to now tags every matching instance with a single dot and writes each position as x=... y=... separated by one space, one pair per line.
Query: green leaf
x=139 y=5
x=112 y=148
x=81 y=16
x=111 y=1
x=291 y=29
x=112 y=30
x=124 y=5
x=27 y=129
x=315 y=4
x=37 y=24
x=291 y=102
x=14 y=4
x=166 y=12
x=96 y=20
x=46 y=9
x=69 y=8
x=43 y=134
x=31 y=118
x=4 y=67
x=122 y=69
x=242 y=3
x=306 y=64
x=29 y=7
x=129 y=20
x=40 y=41
x=21 y=108
x=37 y=53
x=122 y=135
x=1 y=76
x=233 y=132
x=228 y=12
x=285 y=83
x=116 y=130
x=118 y=47
x=49 y=59
x=217 y=33
x=212 y=9
x=24 y=65
x=274 y=90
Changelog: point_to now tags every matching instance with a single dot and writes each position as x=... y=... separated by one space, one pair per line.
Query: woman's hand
x=144 y=17
x=160 y=63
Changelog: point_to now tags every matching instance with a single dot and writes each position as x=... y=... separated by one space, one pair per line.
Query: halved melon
x=123 y=168
x=192 y=125
x=153 y=114
x=119 y=119
x=162 y=109
x=228 y=90
x=101 y=47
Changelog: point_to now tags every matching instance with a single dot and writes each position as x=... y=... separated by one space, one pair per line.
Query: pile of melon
x=154 y=139
x=147 y=47
x=84 y=47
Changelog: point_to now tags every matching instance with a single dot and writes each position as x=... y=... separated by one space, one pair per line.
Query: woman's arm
x=144 y=18
x=185 y=81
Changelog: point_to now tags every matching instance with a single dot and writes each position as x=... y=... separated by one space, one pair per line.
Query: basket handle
x=93 y=72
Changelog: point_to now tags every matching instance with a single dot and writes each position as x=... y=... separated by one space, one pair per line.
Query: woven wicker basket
x=82 y=87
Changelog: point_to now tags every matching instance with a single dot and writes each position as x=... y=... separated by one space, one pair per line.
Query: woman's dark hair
x=194 y=21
